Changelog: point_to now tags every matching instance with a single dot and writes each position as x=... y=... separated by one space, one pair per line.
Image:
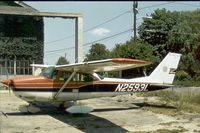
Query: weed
x=183 y=102
x=170 y=131
x=162 y=131
x=97 y=126
x=37 y=128
x=169 y=123
x=81 y=126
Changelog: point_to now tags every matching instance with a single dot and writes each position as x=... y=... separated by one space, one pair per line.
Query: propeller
x=8 y=84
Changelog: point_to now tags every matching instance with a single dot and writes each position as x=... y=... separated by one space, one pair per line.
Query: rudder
x=165 y=71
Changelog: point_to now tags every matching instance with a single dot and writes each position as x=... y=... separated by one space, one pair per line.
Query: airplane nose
x=6 y=82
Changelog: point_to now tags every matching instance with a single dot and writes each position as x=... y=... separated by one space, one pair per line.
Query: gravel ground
x=116 y=114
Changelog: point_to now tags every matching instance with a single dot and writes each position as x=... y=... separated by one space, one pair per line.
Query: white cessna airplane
x=60 y=84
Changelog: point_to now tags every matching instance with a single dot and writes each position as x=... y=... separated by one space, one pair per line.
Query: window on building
x=7 y=67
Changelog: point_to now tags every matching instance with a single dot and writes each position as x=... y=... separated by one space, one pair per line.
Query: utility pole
x=135 y=11
x=15 y=67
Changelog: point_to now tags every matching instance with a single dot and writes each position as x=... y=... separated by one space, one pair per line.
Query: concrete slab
x=116 y=114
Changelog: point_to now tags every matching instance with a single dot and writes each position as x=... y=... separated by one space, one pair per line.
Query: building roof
x=25 y=10
x=25 y=5
x=18 y=6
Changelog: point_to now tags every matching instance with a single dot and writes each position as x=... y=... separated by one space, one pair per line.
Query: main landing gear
x=31 y=108
x=71 y=107
x=76 y=108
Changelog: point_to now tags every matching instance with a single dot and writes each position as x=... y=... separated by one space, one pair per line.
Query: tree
x=175 y=32
x=62 y=60
x=134 y=50
x=155 y=31
x=97 y=52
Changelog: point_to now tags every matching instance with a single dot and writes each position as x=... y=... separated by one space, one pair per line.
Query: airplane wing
x=114 y=64
x=41 y=66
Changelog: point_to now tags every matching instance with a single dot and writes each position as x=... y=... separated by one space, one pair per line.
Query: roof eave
x=21 y=3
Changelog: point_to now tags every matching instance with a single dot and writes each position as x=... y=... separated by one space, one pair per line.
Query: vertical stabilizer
x=165 y=71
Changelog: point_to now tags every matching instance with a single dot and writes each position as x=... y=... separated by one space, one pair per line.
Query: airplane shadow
x=87 y=123
x=114 y=109
x=155 y=105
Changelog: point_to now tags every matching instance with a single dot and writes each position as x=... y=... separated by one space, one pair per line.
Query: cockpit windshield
x=48 y=72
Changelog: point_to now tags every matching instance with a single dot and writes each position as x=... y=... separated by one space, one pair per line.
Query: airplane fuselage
x=42 y=89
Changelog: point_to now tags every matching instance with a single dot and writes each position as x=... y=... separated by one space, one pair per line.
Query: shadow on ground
x=88 y=123
x=155 y=105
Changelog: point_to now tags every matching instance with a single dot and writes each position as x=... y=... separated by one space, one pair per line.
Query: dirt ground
x=116 y=114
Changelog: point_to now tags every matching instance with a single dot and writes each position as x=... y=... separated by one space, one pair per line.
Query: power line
x=91 y=42
x=64 y=38
x=181 y=33
x=123 y=32
x=155 y=5
x=49 y=52
x=107 y=21
x=187 y=4
x=51 y=55
x=57 y=50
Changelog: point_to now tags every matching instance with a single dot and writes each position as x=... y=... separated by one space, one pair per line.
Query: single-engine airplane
x=60 y=84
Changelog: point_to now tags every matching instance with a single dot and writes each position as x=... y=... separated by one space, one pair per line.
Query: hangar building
x=21 y=39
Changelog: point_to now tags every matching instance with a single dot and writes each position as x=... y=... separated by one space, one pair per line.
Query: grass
x=1 y=88
x=81 y=126
x=187 y=82
x=169 y=123
x=37 y=128
x=162 y=131
x=186 y=102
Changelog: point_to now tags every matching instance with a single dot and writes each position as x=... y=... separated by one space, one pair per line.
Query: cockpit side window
x=54 y=74
x=64 y=75
x=83 y=77
x=78 y=77
x=87 y=78
x=48 y=72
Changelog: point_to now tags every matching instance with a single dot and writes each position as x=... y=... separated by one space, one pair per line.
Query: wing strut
x=62 y=88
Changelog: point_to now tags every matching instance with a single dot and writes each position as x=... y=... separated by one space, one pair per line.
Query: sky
x=100 y=20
